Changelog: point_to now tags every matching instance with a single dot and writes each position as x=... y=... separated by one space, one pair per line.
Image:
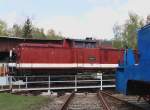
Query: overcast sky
x=73 y=18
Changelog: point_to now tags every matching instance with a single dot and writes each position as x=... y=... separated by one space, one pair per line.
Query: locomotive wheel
x=147 y=98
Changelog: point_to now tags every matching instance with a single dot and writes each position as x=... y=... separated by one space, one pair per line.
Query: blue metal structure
x=134 y=78
x=122 y=76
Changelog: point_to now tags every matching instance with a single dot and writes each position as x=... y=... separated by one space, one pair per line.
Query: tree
x=16 y=30
x=148 y=19
x=27 y=29
x=126 y=35
x=38 y=33
x=117 y=41
x=51 y=34
x=3 y=28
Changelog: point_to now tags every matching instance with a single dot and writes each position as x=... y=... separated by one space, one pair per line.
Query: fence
x=52 y=82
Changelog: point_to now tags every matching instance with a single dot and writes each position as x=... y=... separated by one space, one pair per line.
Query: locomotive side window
x=90 y=45
x=78 y=44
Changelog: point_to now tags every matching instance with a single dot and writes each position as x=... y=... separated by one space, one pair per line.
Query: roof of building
x=20 y=38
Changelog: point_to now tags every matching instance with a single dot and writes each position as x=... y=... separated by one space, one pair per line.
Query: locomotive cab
x=134 y=79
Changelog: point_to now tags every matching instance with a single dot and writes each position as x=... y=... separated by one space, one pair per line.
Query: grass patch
x=16 y=102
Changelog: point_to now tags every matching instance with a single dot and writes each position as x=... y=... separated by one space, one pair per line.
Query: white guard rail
x=51 y=82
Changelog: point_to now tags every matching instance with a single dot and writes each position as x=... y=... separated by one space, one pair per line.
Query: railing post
x=19 y=85
x=49 y=84
x=10 y=82
x=26 y=82
x=101 y=81
x=2 y=87
x=75 y=83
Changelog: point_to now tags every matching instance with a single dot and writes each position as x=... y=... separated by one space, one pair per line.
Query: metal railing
x=59 y=82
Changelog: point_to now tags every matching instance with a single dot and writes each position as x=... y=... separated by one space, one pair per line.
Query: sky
x=73 y=18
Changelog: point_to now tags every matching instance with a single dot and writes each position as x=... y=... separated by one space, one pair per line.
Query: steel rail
x=124 y=101
x=65 y=105
x=103 y=101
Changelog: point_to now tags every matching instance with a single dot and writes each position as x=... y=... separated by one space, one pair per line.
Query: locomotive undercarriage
x=141 y=88
x=60 y=78
x=69 y=71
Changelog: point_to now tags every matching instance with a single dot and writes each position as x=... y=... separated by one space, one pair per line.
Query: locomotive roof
x=146 y=26
x=83 y=40
x=39 y=45
x=33 y=39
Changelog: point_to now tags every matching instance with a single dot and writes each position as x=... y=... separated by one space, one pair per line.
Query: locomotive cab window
x=79 y=45
x=90 y=45
x=82 y=44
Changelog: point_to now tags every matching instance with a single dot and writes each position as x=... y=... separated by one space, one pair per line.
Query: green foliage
x=38 y=33
x=105 y=43
x=117 y=41
x=148 y=19
x=56 y=37
x=130 y=30
x=126 y=35
x=3 y=28
x=16 y=30
x=27 y=29
x=16 y=102
x=53 y=36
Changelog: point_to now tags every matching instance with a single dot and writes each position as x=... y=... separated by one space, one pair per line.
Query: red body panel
x=111 y=56
x=45 y=54
x=50 y=58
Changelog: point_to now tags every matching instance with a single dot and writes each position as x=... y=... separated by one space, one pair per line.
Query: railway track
x=115 y=103
x=91 y=101
x=83 y=101
x=99 y=101
x=134 y=99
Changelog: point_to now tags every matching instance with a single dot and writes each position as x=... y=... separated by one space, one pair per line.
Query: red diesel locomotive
x=70 y=57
